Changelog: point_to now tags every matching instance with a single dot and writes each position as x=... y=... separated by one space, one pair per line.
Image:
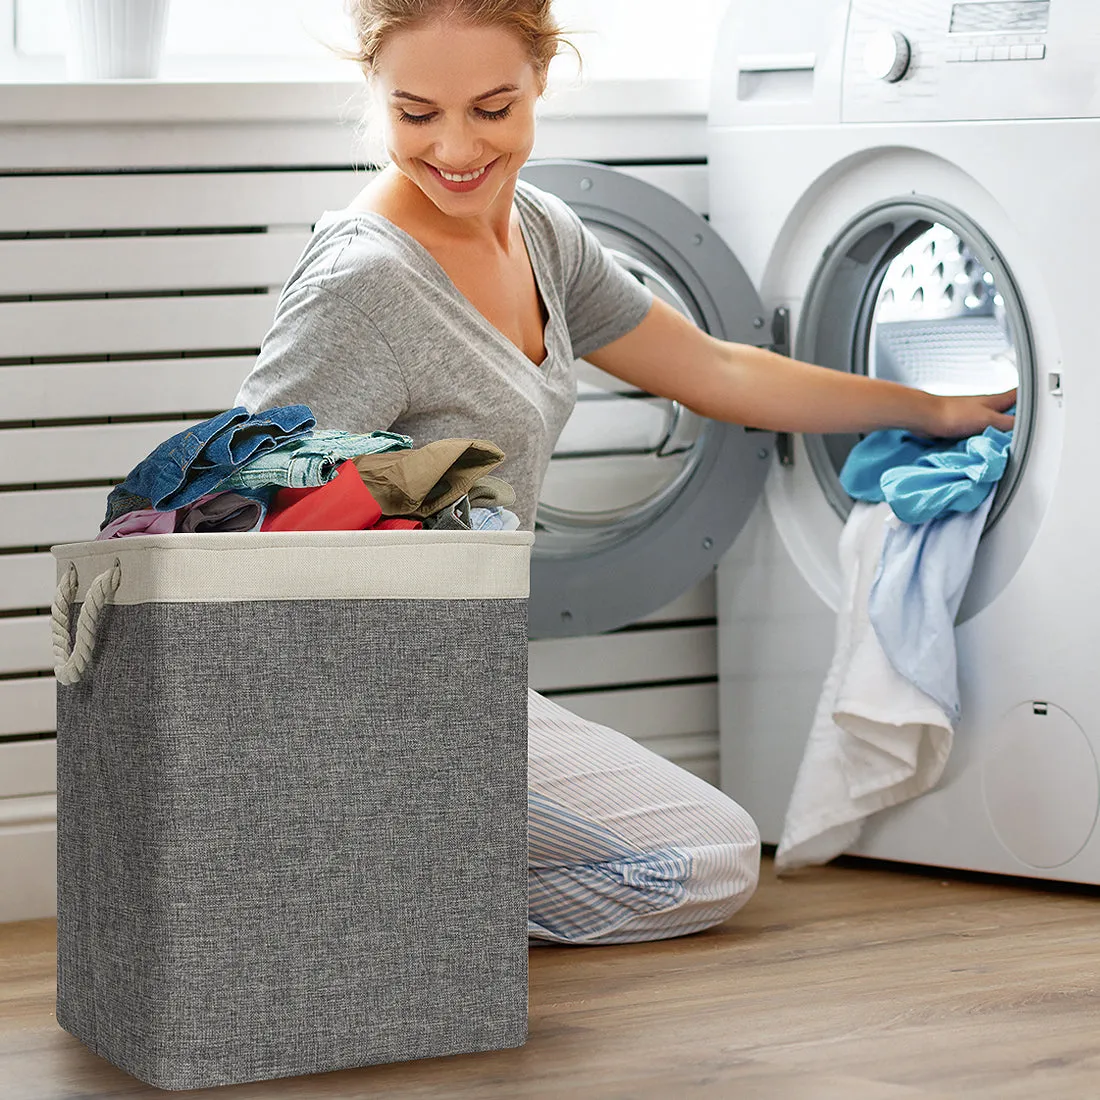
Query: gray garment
x=223 y=512
x=372 y=334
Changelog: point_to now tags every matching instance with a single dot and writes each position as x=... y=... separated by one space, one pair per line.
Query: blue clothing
x=194 y=462
x=915 y=597
x=922 y=479
x=493 y=519
x=312 y=460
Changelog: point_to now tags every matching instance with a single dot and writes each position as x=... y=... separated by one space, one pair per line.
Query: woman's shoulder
x=544 y=209
x=356 y=255
x=556 y=228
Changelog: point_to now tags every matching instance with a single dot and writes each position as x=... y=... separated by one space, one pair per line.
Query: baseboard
x=28 y=858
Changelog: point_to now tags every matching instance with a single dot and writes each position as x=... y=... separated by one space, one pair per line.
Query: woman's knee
x=657 y=893
x=725 y=868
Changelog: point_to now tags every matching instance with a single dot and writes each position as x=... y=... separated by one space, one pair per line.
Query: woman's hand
x=958 y=417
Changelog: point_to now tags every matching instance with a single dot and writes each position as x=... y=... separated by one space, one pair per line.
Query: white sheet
x=876 y=739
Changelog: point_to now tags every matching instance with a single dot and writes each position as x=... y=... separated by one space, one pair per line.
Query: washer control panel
x=970 y=60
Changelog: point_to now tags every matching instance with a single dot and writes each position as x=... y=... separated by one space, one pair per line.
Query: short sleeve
x=325 y=352
x=603 y=301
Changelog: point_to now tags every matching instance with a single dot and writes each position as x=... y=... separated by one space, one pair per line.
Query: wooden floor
x=844 y=983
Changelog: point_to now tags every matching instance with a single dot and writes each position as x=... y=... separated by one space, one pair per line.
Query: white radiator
x=131 y=305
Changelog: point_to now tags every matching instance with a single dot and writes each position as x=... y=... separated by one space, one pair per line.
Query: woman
x=450 y=300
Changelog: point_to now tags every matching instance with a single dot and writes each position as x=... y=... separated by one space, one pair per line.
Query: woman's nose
x=458 y=147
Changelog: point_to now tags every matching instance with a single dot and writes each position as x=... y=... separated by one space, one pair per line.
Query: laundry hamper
x=292 y=799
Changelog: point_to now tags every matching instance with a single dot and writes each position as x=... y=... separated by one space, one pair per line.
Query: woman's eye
x=504 y=112
x=406 y=117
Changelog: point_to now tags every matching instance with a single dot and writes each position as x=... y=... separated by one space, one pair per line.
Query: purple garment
x=143 y=521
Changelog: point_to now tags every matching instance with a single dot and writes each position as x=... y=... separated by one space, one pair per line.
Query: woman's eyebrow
x=398 y=94
x=497 y=91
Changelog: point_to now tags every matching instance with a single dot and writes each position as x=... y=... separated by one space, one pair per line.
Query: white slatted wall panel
x=132 y=304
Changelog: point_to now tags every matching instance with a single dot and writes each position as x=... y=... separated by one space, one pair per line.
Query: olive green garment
x=421 y=481
x=491 y=492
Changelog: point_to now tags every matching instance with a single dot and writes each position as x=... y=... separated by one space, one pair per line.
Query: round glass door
x=915 y=293
x=625 y=454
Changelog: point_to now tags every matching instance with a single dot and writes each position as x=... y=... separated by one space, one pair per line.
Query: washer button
x=985 y=53
x=968 y=53
x=1017 y=53
x=1036 y=53
x=952 y=55
x=1000 y=53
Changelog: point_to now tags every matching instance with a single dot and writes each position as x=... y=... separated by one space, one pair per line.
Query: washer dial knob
x=887 y=56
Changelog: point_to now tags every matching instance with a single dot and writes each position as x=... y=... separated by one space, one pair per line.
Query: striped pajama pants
x=623 y=845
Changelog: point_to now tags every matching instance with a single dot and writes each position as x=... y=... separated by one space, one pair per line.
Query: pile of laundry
x=885 y=719
x=272 y=471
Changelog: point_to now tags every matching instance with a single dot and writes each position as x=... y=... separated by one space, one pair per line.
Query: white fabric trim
x=284 y=565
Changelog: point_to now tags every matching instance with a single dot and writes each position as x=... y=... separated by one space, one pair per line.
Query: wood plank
x=26 y=644
x=91 y=264
x=49 y=203
x=81 y=452
x=679 y=722
x=27 y=768
x=65 y=391
x=28 y=706
x=697 y=754
x=676 y=711
x=26 y=580
x=632 y=657
x=50 y=516
x=28 y=863
x=137 y=200
x=103 y=326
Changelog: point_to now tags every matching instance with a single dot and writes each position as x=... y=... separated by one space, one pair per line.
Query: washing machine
x=910 y=188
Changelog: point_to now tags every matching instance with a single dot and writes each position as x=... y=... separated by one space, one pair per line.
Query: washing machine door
x=643 y=496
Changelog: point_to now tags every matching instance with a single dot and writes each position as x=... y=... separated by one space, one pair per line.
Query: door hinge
x=781 y=345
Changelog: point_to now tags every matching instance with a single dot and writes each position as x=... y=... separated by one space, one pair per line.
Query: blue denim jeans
x=193 y=462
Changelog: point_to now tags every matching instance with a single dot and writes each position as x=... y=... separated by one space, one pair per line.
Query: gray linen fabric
x=371 y=333
x=292 y=836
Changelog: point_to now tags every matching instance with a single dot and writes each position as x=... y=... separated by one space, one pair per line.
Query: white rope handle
x=70 y=663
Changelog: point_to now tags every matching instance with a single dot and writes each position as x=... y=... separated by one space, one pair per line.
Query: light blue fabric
x=922 y=479
x=493 y=519
x=311 y=461
x=915 y=597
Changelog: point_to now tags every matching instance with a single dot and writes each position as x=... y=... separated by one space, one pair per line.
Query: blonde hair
x=531 y=20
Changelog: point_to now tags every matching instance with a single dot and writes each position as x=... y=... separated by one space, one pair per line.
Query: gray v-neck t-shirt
x=373 y=335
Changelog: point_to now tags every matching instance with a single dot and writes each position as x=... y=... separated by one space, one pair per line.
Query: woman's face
x=459 y=103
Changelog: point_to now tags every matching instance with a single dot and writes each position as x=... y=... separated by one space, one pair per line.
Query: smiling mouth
x=463 y=177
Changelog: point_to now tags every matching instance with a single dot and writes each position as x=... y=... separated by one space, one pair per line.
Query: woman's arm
x=669 y=356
